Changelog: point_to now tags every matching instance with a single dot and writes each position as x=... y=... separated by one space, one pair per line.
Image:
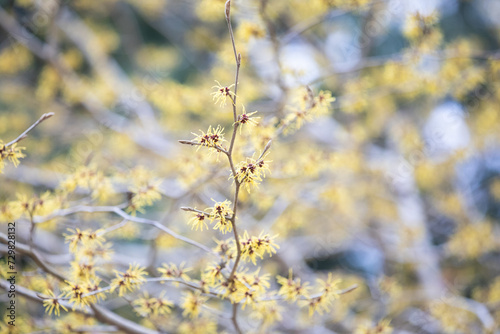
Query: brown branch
x=194 y=143
x=234 y=318
x=188 y=209
x=237 y=58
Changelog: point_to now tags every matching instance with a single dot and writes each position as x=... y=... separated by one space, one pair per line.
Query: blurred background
x=396 y=188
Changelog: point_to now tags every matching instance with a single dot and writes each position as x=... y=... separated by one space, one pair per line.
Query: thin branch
x=25 y=133
x=237 y=184
x=124 y=215
x=234 y=318
x=35 y=256
x=266 y=148
x=104 y=315
x=193 y=143
x=340 y=292
x=189 y=209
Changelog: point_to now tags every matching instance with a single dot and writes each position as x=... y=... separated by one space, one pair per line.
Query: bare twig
x=25 y=133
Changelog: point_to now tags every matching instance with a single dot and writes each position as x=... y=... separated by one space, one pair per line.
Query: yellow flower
x=36 y=206
x=10 y=211
x=383 y=327
x=213 y=273
x=192 y=303
x=152 y=306
x=221 y=212
x=212 y=139
x=473 y=240
x=197 y=221
x=329 y=287
x=82 y=270
x=322 y=102
x=253 y=247
x=12 y=153
x=128 y=280
x=74 y=292
x=245 y=118
x=251 y=172
x=75 y=238
x=172 y=271
x=268 y=312
x=53 y=304
x=247 y=30
x=143 y=196
x=248 y=288
x=329 y=292
x=85 y=239
x=92 y=290
x=225 y=248
x=91 y=179
x=292 y=289
x=222 y=94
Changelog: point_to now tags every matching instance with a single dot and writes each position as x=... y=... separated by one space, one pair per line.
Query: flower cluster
x=79 y=239
x=222 y=93
x=192 y=303
x=322 y=102
x=253 y=247
x=11 y=153
x=328 y=293
x=152 y=306
x=52 y=304
x=221 y=213
x=198 y=221
x=128 y=280
x=36 y=205
x=89 y=178
x=172 y=271
x=247 y=119
x=213 y=273
x=382 y=327
x=83 y=294
x=87 y=248
x=250 y=172
x=421 y=30
x=249 y=288
x=142 y=196
x=292 y=289
x=305 y=107
x=212 y=139
x=267 y=312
